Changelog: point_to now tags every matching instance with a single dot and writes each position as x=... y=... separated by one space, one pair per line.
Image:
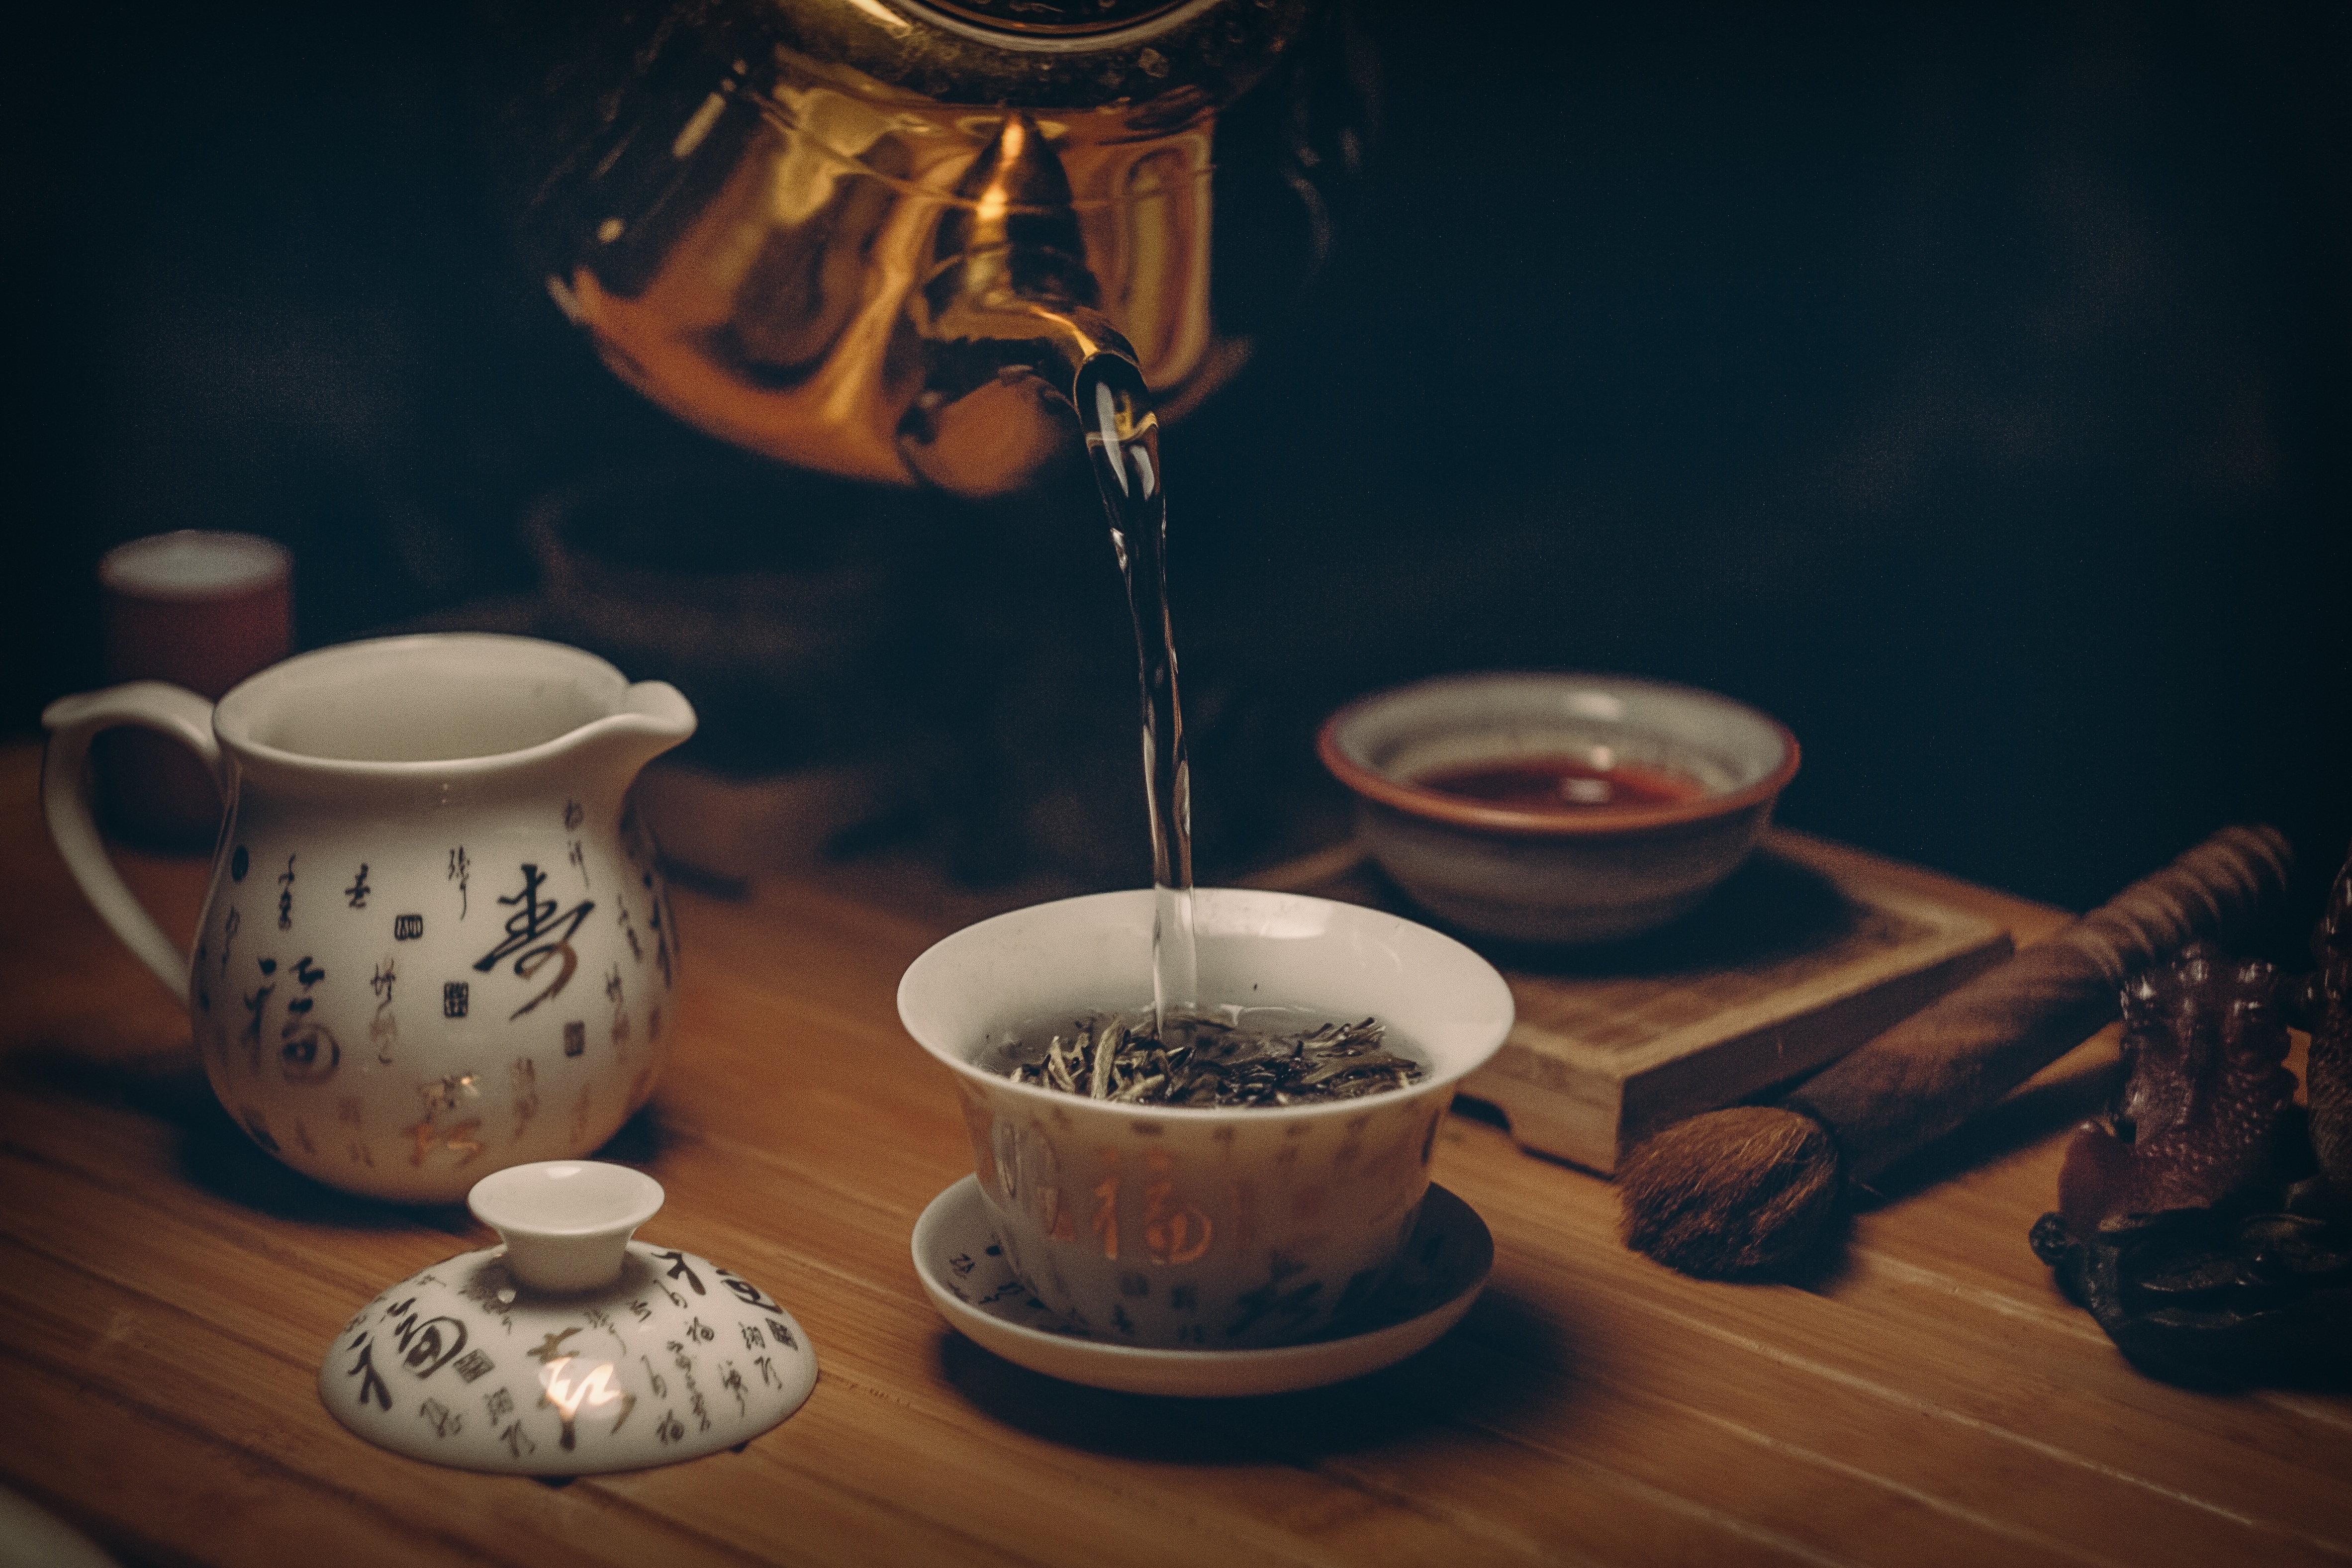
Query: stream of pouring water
x=1123 y=442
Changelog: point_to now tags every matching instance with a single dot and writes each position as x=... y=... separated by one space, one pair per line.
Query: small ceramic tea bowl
x=1194 y=1226
x=1557 y=807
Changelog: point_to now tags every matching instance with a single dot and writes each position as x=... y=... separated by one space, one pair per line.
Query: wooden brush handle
x=1929 y=1073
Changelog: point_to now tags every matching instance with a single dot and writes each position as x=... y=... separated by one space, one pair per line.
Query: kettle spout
x=654 y=716
x=1005 y=319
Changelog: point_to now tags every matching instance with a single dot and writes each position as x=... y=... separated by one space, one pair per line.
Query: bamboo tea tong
x=1749 y=1190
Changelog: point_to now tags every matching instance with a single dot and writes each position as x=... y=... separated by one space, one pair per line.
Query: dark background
x=1964 y=388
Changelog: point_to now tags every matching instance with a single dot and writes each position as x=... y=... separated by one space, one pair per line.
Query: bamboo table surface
x=169 y=1292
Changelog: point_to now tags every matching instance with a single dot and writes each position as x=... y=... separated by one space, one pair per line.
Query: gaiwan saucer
x=572 y=1350
x=964 y=1272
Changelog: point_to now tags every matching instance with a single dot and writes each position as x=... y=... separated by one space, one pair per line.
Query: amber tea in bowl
x=1216 y=1226
x=1557 y=807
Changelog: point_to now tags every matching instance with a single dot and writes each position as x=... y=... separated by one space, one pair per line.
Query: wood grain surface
x=169 y=1291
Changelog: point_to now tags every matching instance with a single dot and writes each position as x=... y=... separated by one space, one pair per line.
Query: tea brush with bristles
x=1748 y=1191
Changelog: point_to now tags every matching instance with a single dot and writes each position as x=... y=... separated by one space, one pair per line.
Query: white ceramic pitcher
x=436 y=941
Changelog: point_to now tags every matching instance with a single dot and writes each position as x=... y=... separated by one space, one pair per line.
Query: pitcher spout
x=653 y=717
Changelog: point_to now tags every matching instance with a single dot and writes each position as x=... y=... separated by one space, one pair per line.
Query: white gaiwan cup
x=1212 y=1228
x=573 y=1349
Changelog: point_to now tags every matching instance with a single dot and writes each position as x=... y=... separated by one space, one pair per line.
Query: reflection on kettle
x=876 y=237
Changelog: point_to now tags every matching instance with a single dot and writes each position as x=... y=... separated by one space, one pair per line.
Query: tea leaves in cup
x=1208 y=1061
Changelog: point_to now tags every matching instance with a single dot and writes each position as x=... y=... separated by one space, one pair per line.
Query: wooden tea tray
x=1806 y=952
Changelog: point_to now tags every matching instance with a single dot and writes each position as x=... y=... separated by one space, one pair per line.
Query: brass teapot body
x=876 y=237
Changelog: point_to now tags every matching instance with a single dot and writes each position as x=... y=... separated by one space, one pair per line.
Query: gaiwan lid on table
x=573 y=1349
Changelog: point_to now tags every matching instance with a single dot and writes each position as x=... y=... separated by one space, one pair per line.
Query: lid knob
x=566 y=1223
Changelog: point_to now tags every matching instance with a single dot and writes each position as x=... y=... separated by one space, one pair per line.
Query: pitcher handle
x=73 y=723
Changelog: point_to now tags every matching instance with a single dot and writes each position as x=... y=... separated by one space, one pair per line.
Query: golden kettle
x=877 y=237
